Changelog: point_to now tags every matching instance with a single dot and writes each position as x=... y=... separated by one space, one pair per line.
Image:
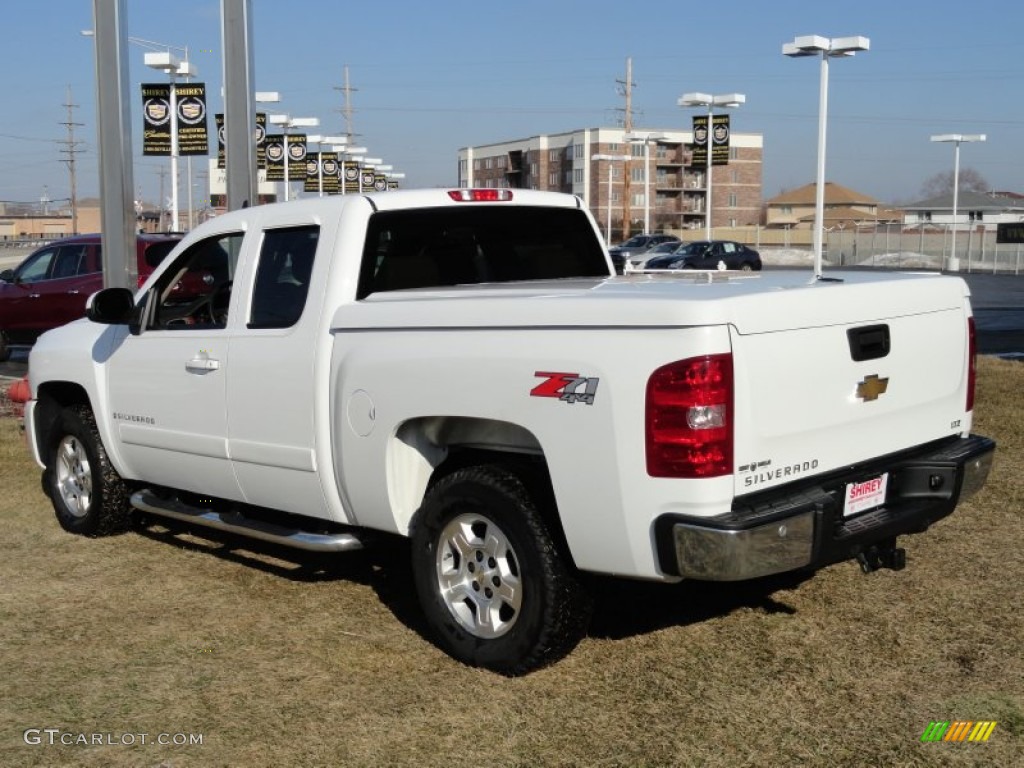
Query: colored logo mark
x=958 y=730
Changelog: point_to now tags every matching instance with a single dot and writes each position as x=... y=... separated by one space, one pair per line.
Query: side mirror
x=7 y=275
x=111 y=306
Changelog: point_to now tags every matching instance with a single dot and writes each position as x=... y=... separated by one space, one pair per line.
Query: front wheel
x=88 y=496
x=492 y=583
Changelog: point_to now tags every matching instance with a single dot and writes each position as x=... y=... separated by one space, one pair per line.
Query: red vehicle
x=50 y=287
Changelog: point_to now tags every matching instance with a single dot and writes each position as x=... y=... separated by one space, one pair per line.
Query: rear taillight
x=689 y=418
x=479 y=195
x=972 y=362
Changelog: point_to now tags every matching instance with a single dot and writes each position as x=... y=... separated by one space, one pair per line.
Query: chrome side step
x=232 y=522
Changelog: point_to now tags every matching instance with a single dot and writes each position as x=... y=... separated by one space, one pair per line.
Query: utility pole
x=69 y=150
x=346 y=109
x=627 y=126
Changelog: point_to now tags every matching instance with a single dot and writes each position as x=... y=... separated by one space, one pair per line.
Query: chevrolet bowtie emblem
x=872 y=387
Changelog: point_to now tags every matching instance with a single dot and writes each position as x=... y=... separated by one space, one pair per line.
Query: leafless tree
x=942 y=183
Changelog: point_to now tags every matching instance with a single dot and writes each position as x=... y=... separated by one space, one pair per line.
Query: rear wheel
x=88 y=496
x=492 y=584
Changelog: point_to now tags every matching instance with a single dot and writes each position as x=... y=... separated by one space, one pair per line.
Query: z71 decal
x=570 y=387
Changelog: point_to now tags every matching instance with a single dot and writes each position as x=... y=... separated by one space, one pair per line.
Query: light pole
x=367 y=162
x=347 y=151
x=610 y=159
x=709 y=101
x=172 y=66
x=159 y=57
x=319 y=141
x=286 y=122
x=646 y=139
x=826 y=48
x=956 y=139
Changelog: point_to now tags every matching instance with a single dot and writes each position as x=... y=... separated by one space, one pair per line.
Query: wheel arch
x=426 y=449
x=52 y=397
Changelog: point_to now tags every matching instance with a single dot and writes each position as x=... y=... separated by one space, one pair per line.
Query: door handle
x=34 y=295
x=73 y=293
x=202 y=365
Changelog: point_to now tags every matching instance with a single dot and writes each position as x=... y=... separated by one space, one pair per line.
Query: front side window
x=195 y=291
x=37 y=267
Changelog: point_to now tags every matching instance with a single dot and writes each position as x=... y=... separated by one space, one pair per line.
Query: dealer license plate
x=865 y=495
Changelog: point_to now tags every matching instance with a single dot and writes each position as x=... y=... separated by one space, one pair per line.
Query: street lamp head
x=959 y=137
x=165 y=61
x=814 y=45
x=695 y=100
x=707 y=100
x=729 y=100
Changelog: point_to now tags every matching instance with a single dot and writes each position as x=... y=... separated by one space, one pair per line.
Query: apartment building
x=651 y=183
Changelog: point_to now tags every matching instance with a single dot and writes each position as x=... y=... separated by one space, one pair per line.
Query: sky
x=433 y=76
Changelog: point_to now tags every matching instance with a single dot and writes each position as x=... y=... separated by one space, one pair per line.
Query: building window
x=552 y=180
x=926 y=215
x=637 y=200
x=613 y=147
x=734 y=153
x=734 y=176
x=977 y=216
x=533 y=170
x=636 y=150
x=577 y=151
x=732 y=222
x=578 y=176
x=636 y=174
x=732 y=199
x=552 y=155
x=476 y=164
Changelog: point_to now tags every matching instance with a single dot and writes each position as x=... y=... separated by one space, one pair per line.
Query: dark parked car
x=703 y=254
x=50 y=287
x=636 y=245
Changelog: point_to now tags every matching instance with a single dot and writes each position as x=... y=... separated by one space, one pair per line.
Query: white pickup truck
x=463 y=368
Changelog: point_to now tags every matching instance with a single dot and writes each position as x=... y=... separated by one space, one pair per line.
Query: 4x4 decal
x=570 y=387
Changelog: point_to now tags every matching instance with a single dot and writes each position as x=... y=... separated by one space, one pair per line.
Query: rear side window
x=70 y=262
x=283 y=276
x=435 y=247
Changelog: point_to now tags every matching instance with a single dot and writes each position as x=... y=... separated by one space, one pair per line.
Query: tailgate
x=817 y=397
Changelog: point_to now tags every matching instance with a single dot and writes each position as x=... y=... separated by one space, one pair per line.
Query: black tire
x=5 y=348
x=506 y=562
x=88 y=496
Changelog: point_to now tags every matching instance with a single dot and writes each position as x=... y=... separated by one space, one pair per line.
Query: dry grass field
x=273 y=663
